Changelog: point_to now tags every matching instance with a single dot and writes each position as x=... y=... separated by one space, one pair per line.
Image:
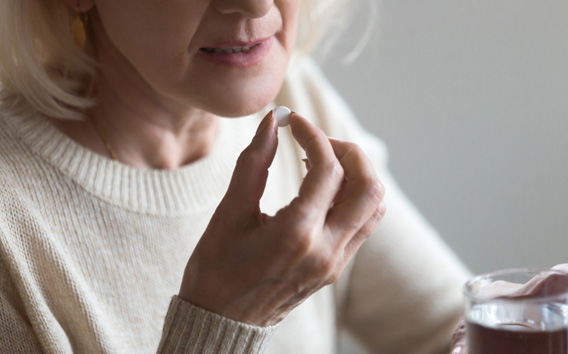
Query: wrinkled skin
x=159 y=98
x=255 y=268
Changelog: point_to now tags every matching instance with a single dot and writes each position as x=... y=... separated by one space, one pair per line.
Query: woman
x=117 y=168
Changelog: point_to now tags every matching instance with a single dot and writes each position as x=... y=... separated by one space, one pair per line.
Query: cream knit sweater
x=92 y=251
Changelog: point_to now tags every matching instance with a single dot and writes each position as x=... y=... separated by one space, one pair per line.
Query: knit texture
x=188 y=327
x=92 y=251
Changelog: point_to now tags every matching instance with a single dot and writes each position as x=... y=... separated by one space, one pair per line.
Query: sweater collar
x=189 y=189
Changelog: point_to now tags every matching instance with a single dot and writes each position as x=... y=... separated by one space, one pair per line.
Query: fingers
x=340 y=174
x=360 y=236
x=325 y=175
x=249 y=178
x=459 y=339
x=561 y=267
x=549 y=283
x=357 y=208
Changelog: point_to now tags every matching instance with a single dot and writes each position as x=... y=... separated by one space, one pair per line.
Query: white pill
x=282 y=115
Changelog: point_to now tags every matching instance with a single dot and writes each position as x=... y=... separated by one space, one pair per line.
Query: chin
x=242 y=100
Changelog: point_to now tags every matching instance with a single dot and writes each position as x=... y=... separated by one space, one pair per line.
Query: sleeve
x=402 y=292
x=187 y=328
x=190 y=329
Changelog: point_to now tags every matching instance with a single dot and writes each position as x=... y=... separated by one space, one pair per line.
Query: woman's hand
x=536 y=286
x=255 y=268
x=459 y=344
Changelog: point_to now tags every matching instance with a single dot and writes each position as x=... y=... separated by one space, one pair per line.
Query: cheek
x=153 y=38
x=290 y=13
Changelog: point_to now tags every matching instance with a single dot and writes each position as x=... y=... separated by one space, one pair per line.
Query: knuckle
x=376 y=217
x=349 y=148
x=332 y=277
x=380 y=186
x=352 y=151
x=334 y=169
x=355 y=149
x=381 y=210
x=367 y=230
x=303 y=244
x=300 y=240
x=374 y=189
x=326 y=265
x=364 y=234
x=325 y=268
x=302 y=209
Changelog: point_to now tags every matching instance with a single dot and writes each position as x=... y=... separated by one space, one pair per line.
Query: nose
x=247 y=8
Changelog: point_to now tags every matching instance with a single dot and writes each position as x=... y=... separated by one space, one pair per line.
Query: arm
x=253 y=268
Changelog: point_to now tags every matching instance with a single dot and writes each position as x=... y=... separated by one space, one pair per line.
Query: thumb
x=250 y=174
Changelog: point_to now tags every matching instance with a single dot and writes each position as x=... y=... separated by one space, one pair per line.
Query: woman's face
x=227 y=57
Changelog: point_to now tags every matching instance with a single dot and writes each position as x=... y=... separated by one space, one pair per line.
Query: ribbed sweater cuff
x=191 y=329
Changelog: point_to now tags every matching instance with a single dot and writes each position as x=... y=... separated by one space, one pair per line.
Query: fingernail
x=383 y=210
x=264 y=124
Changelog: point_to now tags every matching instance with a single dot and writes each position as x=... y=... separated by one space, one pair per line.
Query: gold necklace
x=105 y=141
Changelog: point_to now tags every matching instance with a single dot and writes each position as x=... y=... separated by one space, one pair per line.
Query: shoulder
x=13 y=154
x=16 y=191
x=20 y=170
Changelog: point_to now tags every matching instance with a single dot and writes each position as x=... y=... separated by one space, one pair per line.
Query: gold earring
x=78 y=29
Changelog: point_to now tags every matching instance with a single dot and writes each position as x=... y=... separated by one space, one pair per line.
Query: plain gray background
x=471 y=98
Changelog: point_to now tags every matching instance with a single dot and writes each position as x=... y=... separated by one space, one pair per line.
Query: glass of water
x=517 y=311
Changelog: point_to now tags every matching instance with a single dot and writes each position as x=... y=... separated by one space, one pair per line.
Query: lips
x=228 y=50
x=237 y=54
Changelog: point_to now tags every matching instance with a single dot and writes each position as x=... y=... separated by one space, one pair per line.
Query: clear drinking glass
x=517 y=311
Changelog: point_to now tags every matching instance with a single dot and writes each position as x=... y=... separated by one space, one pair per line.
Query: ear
x=81 y=5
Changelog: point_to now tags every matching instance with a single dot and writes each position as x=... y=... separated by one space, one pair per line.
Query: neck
x=157 y=139
x=141 y=131
x=145 y=128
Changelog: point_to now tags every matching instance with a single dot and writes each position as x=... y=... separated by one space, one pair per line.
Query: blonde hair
x=40 y=65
